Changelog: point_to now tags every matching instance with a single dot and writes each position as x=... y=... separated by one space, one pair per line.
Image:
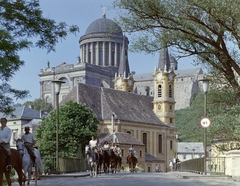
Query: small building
x=22 y=116
x=189 y=150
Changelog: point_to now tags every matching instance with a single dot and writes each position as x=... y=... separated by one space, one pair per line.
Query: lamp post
x=205 y=83
x=57 y=91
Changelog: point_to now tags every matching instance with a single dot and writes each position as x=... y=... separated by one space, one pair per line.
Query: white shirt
x=106 y=146
x=5 y=134
x=30 y=138
x=93 y=143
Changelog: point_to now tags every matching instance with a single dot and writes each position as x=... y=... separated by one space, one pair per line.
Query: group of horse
x=21 y=162
x=106 y=160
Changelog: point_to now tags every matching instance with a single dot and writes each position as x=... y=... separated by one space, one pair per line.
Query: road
x=134 y=179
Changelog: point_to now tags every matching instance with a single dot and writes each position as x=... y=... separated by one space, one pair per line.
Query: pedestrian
x=170 y=165
x=5 y=137
x=174 y=162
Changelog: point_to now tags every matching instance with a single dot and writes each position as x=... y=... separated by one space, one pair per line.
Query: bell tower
x=164 y=103
x=124 y=81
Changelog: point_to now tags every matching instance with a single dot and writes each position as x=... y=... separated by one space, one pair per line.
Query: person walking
x=29 y=140
x=5 y=137
x=170 y=165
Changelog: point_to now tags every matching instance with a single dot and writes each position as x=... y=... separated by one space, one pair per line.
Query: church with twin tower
x=132 y=109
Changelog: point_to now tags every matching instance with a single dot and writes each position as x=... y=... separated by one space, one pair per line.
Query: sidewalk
x=188 y=175
x=74 y=175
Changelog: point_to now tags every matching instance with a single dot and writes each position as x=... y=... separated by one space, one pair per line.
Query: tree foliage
x=208 y=30
x=77 y=124
x=40 y=105
x=223 y=113
x=21 y=24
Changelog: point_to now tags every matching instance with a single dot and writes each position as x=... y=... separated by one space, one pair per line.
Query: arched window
x=66 y=84
x=171 y=144
x=170 y=91
x=129 y=132
x=159 y=90
x=48 y=99
x=160 y=141
x=145 y=141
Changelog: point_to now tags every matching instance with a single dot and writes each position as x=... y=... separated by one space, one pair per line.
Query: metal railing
x=214 y=166
x=66 y=165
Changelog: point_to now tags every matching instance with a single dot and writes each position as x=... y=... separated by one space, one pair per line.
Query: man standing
x=29 y=140
x=5 y=137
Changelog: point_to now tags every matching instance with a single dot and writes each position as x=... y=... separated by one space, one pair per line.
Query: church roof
x=103 y=25
x=126 y=106
x=179 y=73
x=151 y=158
x=123 y=139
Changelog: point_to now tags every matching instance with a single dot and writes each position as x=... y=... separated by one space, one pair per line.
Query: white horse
x=91 y=159
x=27 y=161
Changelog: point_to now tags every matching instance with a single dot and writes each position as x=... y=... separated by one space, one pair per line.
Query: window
x=129 y=132
x=100 y=57
x=66 y=84
x=122 y=152
x=170 y=91
x=160 y=143
x=159 y=106
x=171 y=144
x=171 y=121
x=112 y=58
x=159 y=90
x=184 y=156
x=170 y=107
x=140 y=153
x=145 y=141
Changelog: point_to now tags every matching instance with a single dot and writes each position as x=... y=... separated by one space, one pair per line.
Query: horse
x=113 y=161
x=16 y=161
x=100 y=162
x=92 y=159
x=132 y=161
x=119 y=163
x=27 y=163
x=106 y=158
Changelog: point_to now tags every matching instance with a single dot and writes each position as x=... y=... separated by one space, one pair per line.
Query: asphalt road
x=134 y=179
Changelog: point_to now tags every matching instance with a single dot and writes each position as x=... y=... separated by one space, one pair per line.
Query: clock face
x=159 y=76
x=119 y=82
x=129 y=82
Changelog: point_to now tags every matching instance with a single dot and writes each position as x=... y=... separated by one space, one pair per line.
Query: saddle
x=32 y=155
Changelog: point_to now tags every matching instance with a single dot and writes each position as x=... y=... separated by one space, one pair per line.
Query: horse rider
x=29 y=140
x=5 y=137
x=119 y=151
x=106 y=146
x=93 y=143
x=132 y=150
x=114 y=148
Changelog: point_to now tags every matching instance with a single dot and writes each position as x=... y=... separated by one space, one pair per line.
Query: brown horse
x=16 y=160
x=113 y=161
x=106 y=160
x=132 y=161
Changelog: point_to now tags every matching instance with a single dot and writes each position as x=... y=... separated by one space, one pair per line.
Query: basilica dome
x=103 y=25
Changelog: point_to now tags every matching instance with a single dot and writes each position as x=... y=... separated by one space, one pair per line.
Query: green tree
x=223 y=113
x=208 y=30
x=76 y=125
x=21 y=24
x=39 y=105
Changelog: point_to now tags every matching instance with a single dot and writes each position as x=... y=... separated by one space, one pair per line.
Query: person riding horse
x=5 y=137
x=93 y=143
x=132 y=150
x=29 y=140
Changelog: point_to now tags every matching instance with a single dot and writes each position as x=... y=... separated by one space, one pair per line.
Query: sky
x=81 y=13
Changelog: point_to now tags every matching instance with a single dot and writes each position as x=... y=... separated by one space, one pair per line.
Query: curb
x=65 y=175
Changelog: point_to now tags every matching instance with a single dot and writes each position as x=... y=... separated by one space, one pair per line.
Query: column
x=97 y=54
x=115 y=55
x=87 y=61
x=41 y=90
x=92 y=59
x=84 y=49
x=110 y=54
x=104 y=52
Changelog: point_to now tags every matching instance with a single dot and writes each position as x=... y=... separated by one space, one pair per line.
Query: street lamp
x=57 y=91
x=205 y=83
